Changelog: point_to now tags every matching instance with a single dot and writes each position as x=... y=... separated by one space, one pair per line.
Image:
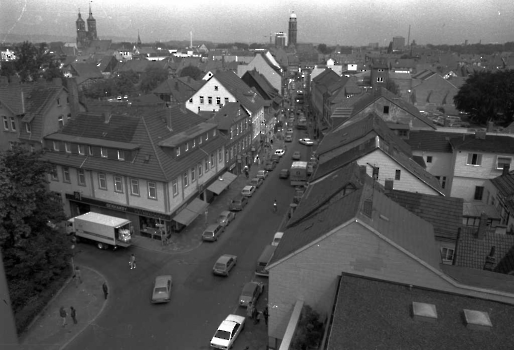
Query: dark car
x=270 y=165
x=284 y=174
x=238 y=203
x=275 y=158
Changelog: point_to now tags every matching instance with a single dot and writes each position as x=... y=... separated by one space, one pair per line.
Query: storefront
x=187 y=214
x=221 y=183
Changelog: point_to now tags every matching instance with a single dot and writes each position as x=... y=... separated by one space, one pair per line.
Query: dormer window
x=214 y=133
x=177 y=151
x=103 y=152
x=206 y=136
x=121 y=155
x=215 y=87
x=187 y=146
x=67 y=147
x=58 y=101
x=82 y=150
x=56 y=146
x=27 y=128
x=200 y=140
x=194 y=143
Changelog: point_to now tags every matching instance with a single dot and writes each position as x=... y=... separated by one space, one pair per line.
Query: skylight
x=477 y=320
x=424 y=312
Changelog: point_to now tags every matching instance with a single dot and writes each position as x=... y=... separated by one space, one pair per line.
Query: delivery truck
x=298 y=173
x=106 y=231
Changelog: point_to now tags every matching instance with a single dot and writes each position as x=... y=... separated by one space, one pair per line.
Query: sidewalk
x=46 y=331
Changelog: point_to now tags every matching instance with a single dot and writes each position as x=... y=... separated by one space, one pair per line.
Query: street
x=200 y=300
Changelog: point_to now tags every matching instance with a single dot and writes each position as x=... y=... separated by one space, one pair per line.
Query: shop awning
x=222 y=182
x=189 y=213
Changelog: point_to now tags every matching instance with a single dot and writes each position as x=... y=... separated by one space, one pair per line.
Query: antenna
x=408 y=37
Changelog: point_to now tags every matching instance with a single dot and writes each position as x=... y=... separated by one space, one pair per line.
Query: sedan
x=280 y=152
x=288 y=138
x=256 y=182
x=250 y=293
x=296 y=155
x=270 y=165
x=162 y=289
x=227 y=332
x=262 y=174
x=284 y=174
x=306 y=142
x=226 y=217
x=224 y=264
x=248 y=191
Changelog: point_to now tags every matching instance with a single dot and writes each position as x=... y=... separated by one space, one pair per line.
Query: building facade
x=293 y=30
x=85 y=37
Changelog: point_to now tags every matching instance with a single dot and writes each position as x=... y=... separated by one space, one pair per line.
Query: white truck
x=103 y=229
x=298 y=173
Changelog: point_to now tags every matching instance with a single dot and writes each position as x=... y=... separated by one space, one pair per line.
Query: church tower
x=292 y=29
x=81 y=31
x=91 y=26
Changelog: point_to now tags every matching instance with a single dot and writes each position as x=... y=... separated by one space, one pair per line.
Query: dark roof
x=87 y=70
x=505 y=186
x=229 y=114
x=433 y=141
x=180 y=88
x=242 y=92
x=480 y=278
x=376 y=314
x=444 y=213
x=491 y=143
x=29 y=99
x=472 y=251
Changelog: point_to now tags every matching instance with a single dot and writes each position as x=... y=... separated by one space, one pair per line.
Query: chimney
x=389 y=184
x=490 y=260
x=506 y=169
x=107 y=117
x=490 y=126
x=73 y=95
x=482 y=227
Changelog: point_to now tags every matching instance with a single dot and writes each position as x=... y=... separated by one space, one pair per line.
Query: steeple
x=90 y=12
x=91 y=26
x=138 y=39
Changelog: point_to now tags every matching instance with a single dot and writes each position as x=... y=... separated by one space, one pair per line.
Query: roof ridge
x=142 y=118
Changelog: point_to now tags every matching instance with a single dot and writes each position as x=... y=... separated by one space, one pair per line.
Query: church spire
x=138 y=39
x=90 y=12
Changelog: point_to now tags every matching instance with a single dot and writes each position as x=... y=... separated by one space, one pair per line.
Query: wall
x=258 y=62
x=442 y=165
x=395 y=115
x=206 y=91
x=8 y=134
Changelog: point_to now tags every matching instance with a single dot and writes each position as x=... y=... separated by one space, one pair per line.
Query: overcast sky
x=345 y=22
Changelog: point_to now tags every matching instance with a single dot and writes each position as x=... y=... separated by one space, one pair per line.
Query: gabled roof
x=491 y=144
x=444 y=213
x=228 y=115
x=29 y=99
x=339 y=205
x=263 y=83
x=505 y=186
x=251 y=100
x=87 y=70
x=433 y=141
x=326 y=78
x=180 y=88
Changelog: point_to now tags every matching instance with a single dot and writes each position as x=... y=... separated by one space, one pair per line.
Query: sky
x=331 y=22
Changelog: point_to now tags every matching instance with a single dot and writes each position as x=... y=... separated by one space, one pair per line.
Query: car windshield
x=219 y=266
x=160 y=290
x=222 y=334
x=207 y=234
x=247 y=290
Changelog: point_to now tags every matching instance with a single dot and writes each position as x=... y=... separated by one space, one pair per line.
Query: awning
x=222 y=182
x=189 y=213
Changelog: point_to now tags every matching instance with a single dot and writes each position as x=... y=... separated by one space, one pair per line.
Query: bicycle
x=275 y=207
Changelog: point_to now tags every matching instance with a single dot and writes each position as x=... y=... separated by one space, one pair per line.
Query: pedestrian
x=256 y=320
x=63 y=315
x=73 y=314
x=132 y=261
x=105 y=289
x=77 y=276
x=265 y=314
x=250 y=310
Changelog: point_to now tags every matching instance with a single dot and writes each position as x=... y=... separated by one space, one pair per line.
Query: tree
x=322 y=48
x=392 y=86
x=191 y=71
x=34 y=253
x=29 y=61
x=487 y=96
x=153 y=76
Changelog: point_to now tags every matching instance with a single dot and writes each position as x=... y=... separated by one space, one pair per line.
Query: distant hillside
x=45 y=38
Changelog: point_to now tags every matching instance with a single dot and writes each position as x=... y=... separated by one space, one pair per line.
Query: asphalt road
x=200 y=300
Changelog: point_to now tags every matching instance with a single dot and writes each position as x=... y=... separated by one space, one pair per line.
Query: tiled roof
x=491 y=144
x=480 y=278
x=262 y=82
x=471 y=251
x=229 y=114
x=433 y=141
x=423 y=75
x=505 y=186
x=444 y=213
x=87 y=70
x=376 y=314
x=243 y=93
x=327 y=77
x=36 y=97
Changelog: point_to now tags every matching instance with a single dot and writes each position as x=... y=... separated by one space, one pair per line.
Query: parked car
x=224 y=264
x=290 y=131
x=280 y=152
x=270 y=165
x=288 y=138
x=226 y=217
x=227 y=332
x=296 y=155
x=250 y=293
x=277 y=238
x=248 y=191
x=263 y=174
x=256 y=182
x=161 y=292
x=310 y=168
x=238 y=203
x=275 y=158
x=284 y=174
x=212 y=232
x=306 y=142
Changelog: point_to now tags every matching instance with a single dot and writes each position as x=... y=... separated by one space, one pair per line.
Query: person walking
x=132 y=261
x=63 y=315
x=275 y=206
x=250 y=310
x=73 y=314
x=105 y=289
x=265 y=314
x=77 y=276
x=257 y=318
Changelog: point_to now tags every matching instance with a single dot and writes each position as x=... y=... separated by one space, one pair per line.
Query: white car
x=280 y=152
x=227 y=332
x=248 y=191
x=277 y=238
x=306 y=142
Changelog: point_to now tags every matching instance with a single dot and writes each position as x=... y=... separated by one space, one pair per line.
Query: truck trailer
x=107 y=231
x=298 y=173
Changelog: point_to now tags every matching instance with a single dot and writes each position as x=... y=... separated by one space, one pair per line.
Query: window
x=200 y=140
x=429 y=159
x=27 y=128
x=13 y=124
x=6 y=123
x=67 y=100
x=479 y=192
x=58 y=101
x=201 y=100
x=118 y=184
x=447 y=254
x=103 y=152
x=380 y=70
x=68 y=117
x=226 y=100
x=194 y=143
x=82 y=150
x=187 y=146
x=397 y=174
x=193 y=174
x=206 y=162
x=90 y=150
x=215 y=87
x=56 y=146
x=214 y=133
x=152 y=190
x=67 y=147
x=174 y=186
x=66 y=174
x=185 y=179
x=218 y=100
x=474 y=159
x=212 y=160
x=380 y=79
x=386 y=109
x=220 y=156
x=191 y=100
x=177 y=151
x=81 y=175
x=55 y=176
x=134 y=187
x=102 y=181
x=443 y=181
x=206 y=136
x=60 y=121
x=121 y=155
x=502 y=161
x=200 y=170
x=209 y=100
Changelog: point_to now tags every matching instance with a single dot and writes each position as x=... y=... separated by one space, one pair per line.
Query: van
x=264 y=260
x=212 y=232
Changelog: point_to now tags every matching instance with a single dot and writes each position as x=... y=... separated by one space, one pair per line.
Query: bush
x=309 y=331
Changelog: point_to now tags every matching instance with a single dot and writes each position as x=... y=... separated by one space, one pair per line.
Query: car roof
x=250 y=286
x=225 y=213
x=239 y=197
x=224 y=258
x=247 y=187
x=162 y=280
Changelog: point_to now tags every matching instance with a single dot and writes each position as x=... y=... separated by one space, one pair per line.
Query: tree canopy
x=30 y=60
x=191 y=71
x=488 y=96
x=153 y=76
x=34 y=253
